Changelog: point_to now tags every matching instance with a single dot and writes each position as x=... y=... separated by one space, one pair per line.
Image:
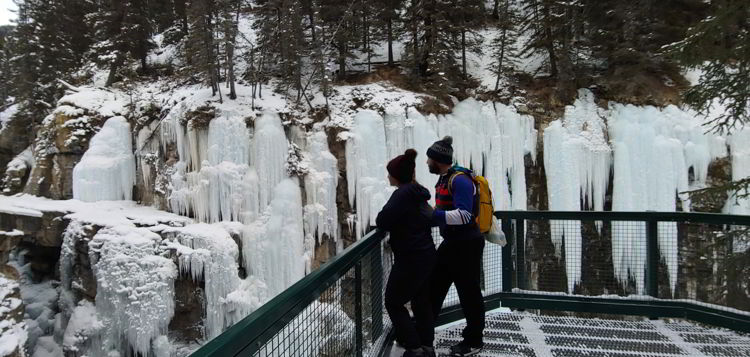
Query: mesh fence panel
x=492 y=270
x=700 y=262
x=714 y=266
x=328 y=326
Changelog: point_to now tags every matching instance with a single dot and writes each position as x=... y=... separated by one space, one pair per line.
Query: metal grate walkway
x=528 y=335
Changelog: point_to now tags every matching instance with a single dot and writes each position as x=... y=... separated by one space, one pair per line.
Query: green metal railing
x=338 y=309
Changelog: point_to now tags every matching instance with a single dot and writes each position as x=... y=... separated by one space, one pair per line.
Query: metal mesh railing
x=338 y=309
x=346 y=319
x=701 y=261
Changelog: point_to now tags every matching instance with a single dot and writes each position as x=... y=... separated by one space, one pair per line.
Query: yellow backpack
x=483 y=208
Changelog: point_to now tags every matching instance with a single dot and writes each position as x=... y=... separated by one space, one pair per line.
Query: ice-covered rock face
x=208 y=253
x=135 y=288
x=107 y=169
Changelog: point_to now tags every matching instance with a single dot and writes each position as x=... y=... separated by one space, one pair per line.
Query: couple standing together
x=420 y=274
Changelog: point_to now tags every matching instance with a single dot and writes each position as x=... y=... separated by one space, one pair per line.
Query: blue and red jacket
x=455 y=207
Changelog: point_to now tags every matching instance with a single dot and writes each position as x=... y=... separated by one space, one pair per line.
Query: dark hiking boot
x=464 y=349
x=429 y=351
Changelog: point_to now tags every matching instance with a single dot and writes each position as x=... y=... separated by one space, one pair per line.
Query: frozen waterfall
x=577 y=162
x=106 y=171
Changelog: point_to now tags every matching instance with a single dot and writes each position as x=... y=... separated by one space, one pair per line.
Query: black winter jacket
x=407 y=217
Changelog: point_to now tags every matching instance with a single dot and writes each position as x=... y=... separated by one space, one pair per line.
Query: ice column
x=107 y=169
x=135 y=288
x=269 y=153
x=274 y=246
x=366 y=157
x=321 y=211
x=577 y=161
x=653 y=150
x=209 y=254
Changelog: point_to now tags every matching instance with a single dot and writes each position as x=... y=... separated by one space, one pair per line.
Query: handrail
x=261 y=325
x=258 y=328
x=710 y=218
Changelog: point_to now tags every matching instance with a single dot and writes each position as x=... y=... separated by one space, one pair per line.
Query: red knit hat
x=402 y=167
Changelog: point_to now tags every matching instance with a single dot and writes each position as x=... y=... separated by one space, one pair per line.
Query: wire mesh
x=704 y=263
x=329 y=325
x=492 y=271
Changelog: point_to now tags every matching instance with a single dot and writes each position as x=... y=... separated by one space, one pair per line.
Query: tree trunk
x=181 y=11
x=495 y=14
x=549 y=41
x=390 y=40
x=113 y=69
x=342 y=58
x=463 y=51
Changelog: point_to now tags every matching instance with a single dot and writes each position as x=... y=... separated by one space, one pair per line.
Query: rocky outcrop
x=60 y=144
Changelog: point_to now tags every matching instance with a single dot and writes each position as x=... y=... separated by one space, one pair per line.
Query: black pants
x=460 y=262
x=409 y=281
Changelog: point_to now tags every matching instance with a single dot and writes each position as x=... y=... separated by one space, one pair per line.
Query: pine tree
x=201 y=42
x=228 y=15
x=6 y=74
x=466 y=17
x=122 y=31
x=388 y=21
x=338 y=20
x=44 y=55
x=503 y=46
x=720 y=46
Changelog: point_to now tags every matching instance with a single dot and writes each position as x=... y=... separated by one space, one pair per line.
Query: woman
x=407 y=216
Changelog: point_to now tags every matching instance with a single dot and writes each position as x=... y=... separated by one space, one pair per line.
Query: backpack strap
x=453 y=177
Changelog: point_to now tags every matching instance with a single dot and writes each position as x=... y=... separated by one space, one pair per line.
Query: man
x=460 y=254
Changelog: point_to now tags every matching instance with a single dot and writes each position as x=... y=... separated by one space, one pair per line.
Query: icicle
x=653 y=151
x=269 y=154
x=273 y=247
x=107 y=169
x=135 y=288
x=211 y=257
x=224 y=188
x=421 y=133
x=365 y=168
x=577 y=163
x=321 y=211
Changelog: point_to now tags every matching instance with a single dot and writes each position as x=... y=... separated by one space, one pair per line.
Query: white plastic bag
x=496 y=235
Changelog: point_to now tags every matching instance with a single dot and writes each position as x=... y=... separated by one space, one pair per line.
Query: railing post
x=520 y=254
x=507 y=259
x=376 y=291
x=652 y=258
x=359 y=335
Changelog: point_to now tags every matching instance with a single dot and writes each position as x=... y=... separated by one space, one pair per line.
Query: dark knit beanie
x=442 y=151
x=402 y=167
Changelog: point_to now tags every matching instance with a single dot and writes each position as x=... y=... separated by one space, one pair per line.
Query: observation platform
x=598 y=284
x=530 y=335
